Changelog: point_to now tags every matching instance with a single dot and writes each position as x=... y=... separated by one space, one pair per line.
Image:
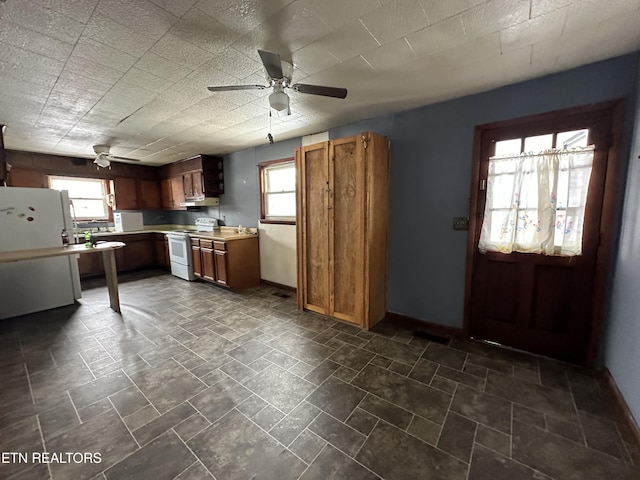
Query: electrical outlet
x=460 y=223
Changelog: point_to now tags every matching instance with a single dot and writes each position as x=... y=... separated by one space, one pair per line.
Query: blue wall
x=431 y=151
x=240 y=204
x=622 y=340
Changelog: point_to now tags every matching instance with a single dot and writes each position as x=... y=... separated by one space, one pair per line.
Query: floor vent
x=431 y=337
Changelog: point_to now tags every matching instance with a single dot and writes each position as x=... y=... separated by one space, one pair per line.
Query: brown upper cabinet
x=150 y=197
x=25 y=177
x=192 y=185
x=136 y=194
x=172 y=193
x=199 y=176
x=342 y=218
x=125 y=194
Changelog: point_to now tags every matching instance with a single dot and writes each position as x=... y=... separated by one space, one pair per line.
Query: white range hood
x=202 y=202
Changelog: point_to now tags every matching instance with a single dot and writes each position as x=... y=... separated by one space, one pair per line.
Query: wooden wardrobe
x=342 y=219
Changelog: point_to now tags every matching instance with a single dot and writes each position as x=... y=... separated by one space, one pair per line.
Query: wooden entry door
x=551 y=305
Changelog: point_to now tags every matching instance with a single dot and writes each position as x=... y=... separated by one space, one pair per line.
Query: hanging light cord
x=269 y=136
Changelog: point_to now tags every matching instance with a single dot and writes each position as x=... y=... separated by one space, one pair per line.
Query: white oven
x=180 y=248
x=180 y=255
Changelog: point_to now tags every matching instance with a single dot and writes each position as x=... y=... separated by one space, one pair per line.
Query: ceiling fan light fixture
x=279 y=74
x=279 y=101
x=102 y=161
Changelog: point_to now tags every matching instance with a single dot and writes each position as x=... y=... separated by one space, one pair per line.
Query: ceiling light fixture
x=102 y=161
x=279 y=101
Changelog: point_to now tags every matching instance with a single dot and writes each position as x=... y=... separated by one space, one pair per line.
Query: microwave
x=128 y=221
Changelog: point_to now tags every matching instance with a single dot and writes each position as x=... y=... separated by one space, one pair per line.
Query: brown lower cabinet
x=207 y=255
x=234 y=263
x=221 y=267
x=161 y=243
x=89 y=265
x=142 y=251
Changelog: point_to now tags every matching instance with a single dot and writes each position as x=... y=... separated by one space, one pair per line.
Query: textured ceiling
x=133 y=74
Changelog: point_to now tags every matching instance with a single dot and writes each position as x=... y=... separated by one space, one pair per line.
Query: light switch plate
x=460 y=223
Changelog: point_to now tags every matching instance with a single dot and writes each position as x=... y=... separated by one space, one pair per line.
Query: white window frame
x=264 y=169
x=103 y=197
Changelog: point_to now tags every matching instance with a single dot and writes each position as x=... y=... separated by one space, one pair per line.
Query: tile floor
x=195 y=382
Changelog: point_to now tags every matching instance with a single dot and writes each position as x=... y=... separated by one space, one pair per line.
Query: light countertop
x=17 y=255
x=146 y=229
x=221 y=234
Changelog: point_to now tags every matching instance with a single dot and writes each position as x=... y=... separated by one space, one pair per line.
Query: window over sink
x=88 y=196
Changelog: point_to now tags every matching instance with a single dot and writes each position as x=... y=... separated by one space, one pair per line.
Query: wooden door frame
x=616 y=109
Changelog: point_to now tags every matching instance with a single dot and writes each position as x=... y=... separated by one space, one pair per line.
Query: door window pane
x=508 y=147
x=538 y=143
x=504 y=194
x=535 y=202
x=572 y=139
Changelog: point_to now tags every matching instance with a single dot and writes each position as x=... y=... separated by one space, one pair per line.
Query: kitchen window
x=88 y=196
x=278 y=191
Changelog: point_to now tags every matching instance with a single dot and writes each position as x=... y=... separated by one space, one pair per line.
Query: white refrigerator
x=34 y=218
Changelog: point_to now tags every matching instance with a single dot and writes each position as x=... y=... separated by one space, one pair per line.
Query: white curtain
x=536 y=202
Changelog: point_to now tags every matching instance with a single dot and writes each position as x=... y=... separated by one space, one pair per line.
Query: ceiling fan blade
x=103 y=156
x=227 y=88
x=320 y=90
x=125 y=159
x=272 y=63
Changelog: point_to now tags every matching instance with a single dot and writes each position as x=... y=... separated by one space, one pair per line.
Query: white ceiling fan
x=104 y=158
x=279 y=73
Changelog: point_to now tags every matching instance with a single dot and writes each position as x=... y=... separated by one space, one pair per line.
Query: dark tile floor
x=196 y=382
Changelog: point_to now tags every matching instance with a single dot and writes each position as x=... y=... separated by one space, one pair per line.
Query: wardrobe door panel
x=346 y=229
x=315 y=234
